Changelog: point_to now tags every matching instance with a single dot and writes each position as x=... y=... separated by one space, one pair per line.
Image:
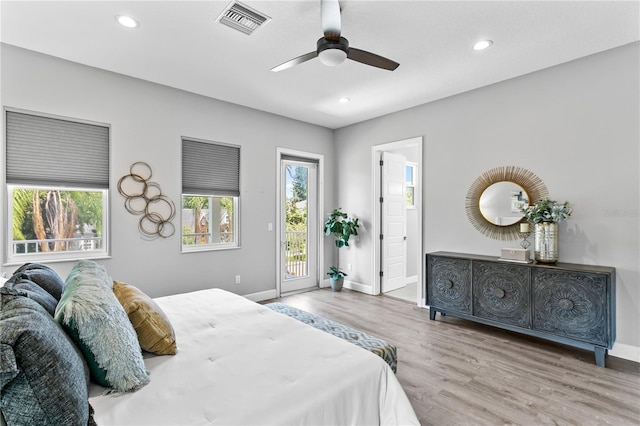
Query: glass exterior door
x=299 y=237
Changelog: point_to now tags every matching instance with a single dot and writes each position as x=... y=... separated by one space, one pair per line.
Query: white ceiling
x=180 y=44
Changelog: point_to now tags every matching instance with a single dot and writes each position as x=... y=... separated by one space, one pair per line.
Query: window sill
x=53 y=259
x=199 y=249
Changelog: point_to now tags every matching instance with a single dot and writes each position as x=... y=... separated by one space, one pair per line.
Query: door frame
x=375 y=185
x=302 y=155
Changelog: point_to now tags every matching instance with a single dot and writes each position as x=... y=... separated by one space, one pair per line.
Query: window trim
x=209 y=192
x=7 y=238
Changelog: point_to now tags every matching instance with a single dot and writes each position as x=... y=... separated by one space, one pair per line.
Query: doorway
x=298 y=225
x=398 y=265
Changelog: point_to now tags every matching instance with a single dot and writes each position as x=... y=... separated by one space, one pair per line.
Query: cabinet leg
x=432 y=314
x=600 y=354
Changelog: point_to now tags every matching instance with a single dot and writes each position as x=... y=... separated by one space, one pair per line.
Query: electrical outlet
x=237 y=279
x=348 y=266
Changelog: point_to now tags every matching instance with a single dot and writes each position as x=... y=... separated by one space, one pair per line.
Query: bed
x=241 y=363
x=235 y=362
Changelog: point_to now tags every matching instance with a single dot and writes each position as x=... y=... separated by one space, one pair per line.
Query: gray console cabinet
x=566 y=303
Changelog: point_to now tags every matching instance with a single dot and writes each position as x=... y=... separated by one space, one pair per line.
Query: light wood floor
x=456 y=372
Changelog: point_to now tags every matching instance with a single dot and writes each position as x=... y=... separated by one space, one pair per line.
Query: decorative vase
x=336 y=285
x=546 y=242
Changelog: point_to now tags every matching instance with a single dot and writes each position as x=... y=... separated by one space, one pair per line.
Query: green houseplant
x=546 y=210
x=545 y=215
x=342 y=227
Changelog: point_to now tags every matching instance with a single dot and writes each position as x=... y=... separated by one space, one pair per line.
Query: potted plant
x=545 y=215
x=342 y=227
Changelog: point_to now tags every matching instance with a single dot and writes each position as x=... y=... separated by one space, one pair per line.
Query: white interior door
x=394 y=222
x=299 y=233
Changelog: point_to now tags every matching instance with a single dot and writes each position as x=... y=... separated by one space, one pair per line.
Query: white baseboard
x=263 y=295
x=351 y=285
x=362 y=288
x=620 y=350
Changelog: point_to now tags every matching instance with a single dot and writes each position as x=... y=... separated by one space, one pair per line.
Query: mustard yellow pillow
x=151 y=324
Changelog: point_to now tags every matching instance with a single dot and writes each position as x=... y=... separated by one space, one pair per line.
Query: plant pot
x=546 y=242
x=336 y=284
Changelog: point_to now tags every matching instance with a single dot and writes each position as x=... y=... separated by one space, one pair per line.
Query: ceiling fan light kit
x=332 y=52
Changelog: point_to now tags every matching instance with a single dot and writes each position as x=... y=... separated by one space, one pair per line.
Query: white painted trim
x=620 y=350
x=351 y=285
x=409 y=280
x=263 y=295
x=375 y=208
x=320 y=194
x=362 y=288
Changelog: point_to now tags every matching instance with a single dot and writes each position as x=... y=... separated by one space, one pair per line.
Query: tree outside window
x=46 y=220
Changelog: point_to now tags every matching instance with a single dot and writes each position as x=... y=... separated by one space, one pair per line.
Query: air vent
x=242 y=18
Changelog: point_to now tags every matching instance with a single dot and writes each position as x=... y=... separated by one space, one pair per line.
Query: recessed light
x=127 y=21
x=344 y=100
x=482 y=44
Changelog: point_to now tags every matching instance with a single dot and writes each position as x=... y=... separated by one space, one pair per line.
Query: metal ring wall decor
x=144 y=197
x=531 y=183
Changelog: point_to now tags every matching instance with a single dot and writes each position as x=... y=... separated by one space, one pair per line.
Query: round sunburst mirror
x=496 y=198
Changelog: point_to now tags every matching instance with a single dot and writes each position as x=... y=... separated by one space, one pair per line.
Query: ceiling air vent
x=242 y=18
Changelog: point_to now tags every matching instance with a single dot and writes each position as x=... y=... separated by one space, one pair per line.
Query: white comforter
x=241 y=363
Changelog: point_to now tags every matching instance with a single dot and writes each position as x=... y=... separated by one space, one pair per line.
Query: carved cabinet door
x=571 y=304
x=449 y=284
x=501 y=293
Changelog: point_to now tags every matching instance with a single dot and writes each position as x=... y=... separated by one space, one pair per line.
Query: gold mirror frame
x=528 y=180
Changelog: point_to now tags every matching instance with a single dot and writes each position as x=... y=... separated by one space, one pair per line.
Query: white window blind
x=51 y=151
x=210 y=168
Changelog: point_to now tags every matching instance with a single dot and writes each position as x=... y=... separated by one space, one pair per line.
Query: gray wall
x=575 y=125
x=147 y=121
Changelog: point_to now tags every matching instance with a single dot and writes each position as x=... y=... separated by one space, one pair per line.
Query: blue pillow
x=97 y=322
x=33 y=291
x=43 y=378
x=42 y=275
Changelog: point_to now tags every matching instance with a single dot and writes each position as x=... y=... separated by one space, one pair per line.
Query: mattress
x=240 y=363
x=385 y=350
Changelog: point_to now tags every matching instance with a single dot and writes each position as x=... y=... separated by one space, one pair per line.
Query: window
x=57 y=176
x=410 y=185
x=210 y=195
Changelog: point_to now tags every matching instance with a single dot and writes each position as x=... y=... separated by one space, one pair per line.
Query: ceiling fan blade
x=331 y=22
x=295 y=61
x=372 y=59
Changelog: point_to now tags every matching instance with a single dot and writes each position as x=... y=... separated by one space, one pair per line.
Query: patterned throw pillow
x=154 y=330
x=95 y=320
x=43 y=378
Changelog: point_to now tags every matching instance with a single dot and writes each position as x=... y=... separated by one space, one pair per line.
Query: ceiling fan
x=333 y=49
